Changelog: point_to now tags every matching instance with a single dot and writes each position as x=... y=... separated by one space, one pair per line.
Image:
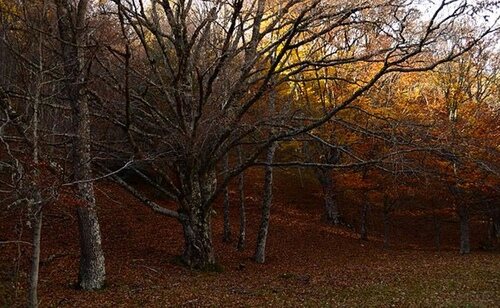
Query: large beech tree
x=195 y=78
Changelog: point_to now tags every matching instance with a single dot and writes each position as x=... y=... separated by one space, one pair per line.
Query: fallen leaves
x=309 y=263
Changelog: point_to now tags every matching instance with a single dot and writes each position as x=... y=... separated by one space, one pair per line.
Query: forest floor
x=309 y=263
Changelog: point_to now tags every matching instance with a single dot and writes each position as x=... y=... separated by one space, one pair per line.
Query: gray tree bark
x=36 y=223
x=195 y=218
x=71 y=25
x=227 y=227
x=260 y=251
x=35 y=204
x=243 y=218
x=198 y=250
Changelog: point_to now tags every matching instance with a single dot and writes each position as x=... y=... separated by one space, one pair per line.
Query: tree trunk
x=35 y=206
x=243 y=218
x=260 y=251
x=494 y=226
x=493 y=231
x=227 y=227
x=71 y=23
x=331 y=209
x=364 y=217
x=463 y=214
x=92 y=271
x=198 y=250
x=35 y=259
x=195 y=217
x=386 y=229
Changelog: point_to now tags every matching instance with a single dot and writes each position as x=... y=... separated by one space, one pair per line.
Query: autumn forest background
x=249 y=153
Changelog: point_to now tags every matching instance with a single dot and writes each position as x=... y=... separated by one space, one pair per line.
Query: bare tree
x=226 y=237
x=71 y=26
x=260 y=250
x=203 y=72
x=33 y=182
x=242 y=211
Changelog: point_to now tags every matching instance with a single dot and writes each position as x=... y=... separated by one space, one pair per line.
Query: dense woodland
x=240 y=137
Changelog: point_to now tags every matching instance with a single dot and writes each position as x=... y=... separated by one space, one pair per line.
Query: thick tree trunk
x=92 y=271
x=227 y=227
x=35 y=258
x=198 y=250
x=243 y=218
x=195 y=218
x=463 y=214
x=260 y=251
x=363 y=233
x=331 y=209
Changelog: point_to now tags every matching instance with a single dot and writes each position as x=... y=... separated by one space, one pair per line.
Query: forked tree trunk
x=36 y=222
x=243 y=218
x=260 y=251
x=226 y=237
x=463 y=214
x=363 y=231
x=331 y=209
